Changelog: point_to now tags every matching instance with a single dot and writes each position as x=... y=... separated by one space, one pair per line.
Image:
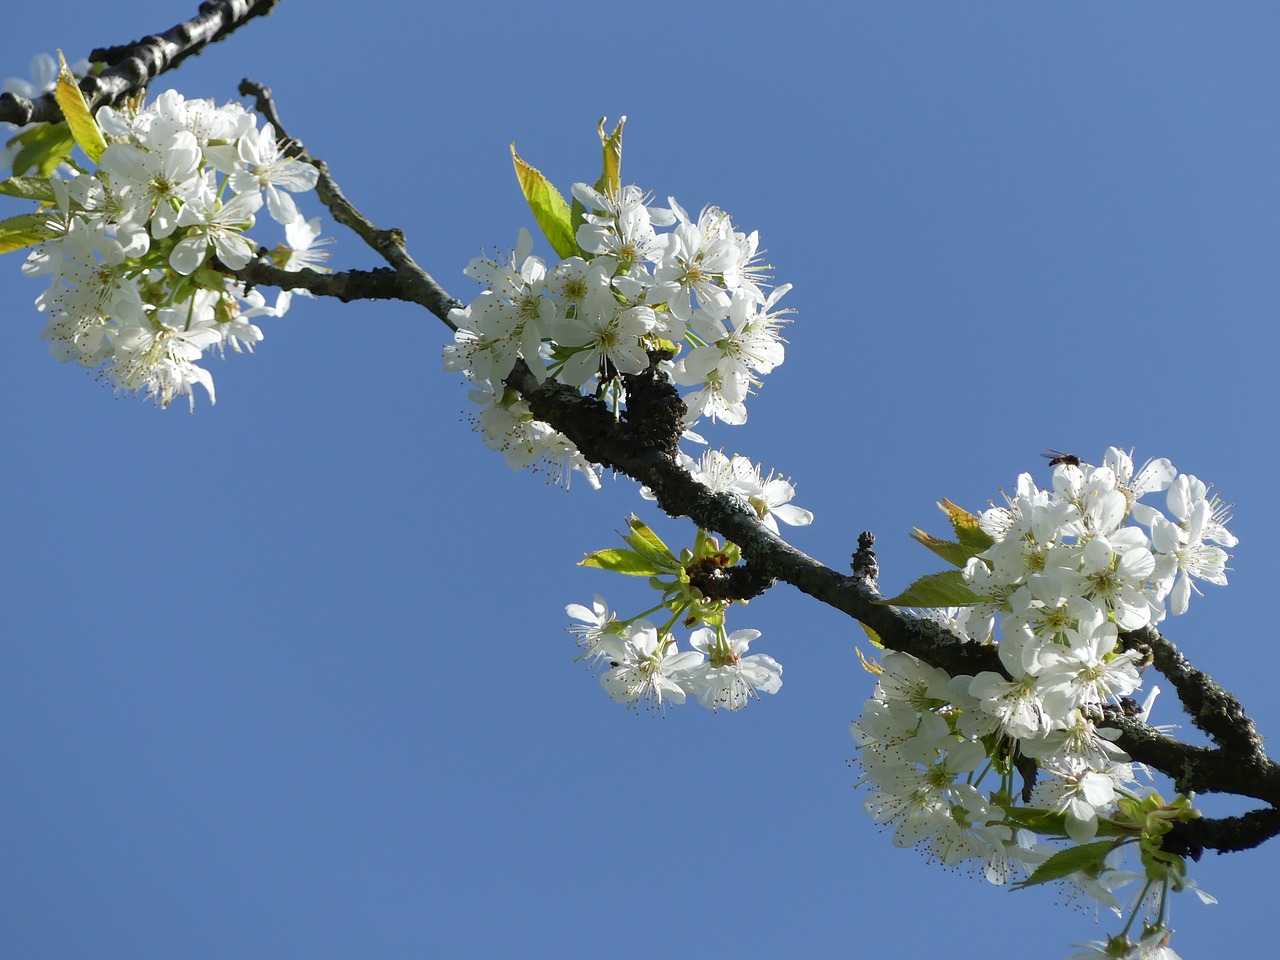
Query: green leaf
x=617 y=560
x=970 y=538
x=548 y=207
x=29 y=188
x=650 y=546
x=610 y=182
x=83 y=127
x=577 y=216
x=965 y=524
x=872 y=636
x=42 y=148
x=209 y=279
x=945 y=589
x=641 y=533
x=23 y=231
x=1052 y=824
x=956 y=554
x=1087 y=859
x=1045 y=822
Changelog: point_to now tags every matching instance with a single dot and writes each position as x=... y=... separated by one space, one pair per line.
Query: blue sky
x=289 y=677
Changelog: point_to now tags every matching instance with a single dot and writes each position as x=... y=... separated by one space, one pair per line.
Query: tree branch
x=133 y=65
x=643 y=444
x=1239 y=766
x=1225 y=835
x=381 y=283
x=413 y=282
x=1210 y=707
x=738 y=583
x=650 y=460
x=1196 y=769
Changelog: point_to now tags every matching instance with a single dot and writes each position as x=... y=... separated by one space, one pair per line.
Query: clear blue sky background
x=288 y=678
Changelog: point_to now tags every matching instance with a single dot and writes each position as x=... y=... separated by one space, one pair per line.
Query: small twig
x=381 y=283
x=414 y=283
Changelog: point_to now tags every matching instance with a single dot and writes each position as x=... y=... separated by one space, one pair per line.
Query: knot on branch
x=642 y=443
x=654 y=418
x=865 y=567
x=735 y=584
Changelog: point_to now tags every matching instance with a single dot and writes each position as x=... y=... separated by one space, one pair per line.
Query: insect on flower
x=1056 y=457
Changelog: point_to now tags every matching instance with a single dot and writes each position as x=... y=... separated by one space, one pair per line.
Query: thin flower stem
x=675 y=618
x=641 y=616
x=1162 y=916
x=975 y=779
x=1137 y=905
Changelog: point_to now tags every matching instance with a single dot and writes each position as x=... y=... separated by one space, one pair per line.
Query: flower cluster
x=1066 y=572
x=136 y=252
x=646 y=667
x=646 y=663
x=691 y=301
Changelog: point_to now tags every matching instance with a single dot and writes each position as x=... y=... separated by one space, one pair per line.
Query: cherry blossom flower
x=265 y=167
x=730 y=678
x=646 y=666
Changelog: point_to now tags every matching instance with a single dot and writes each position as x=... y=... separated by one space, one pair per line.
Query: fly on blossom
x=1056 y=457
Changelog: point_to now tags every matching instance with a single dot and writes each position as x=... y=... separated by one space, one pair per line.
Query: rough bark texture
x=131 y=66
